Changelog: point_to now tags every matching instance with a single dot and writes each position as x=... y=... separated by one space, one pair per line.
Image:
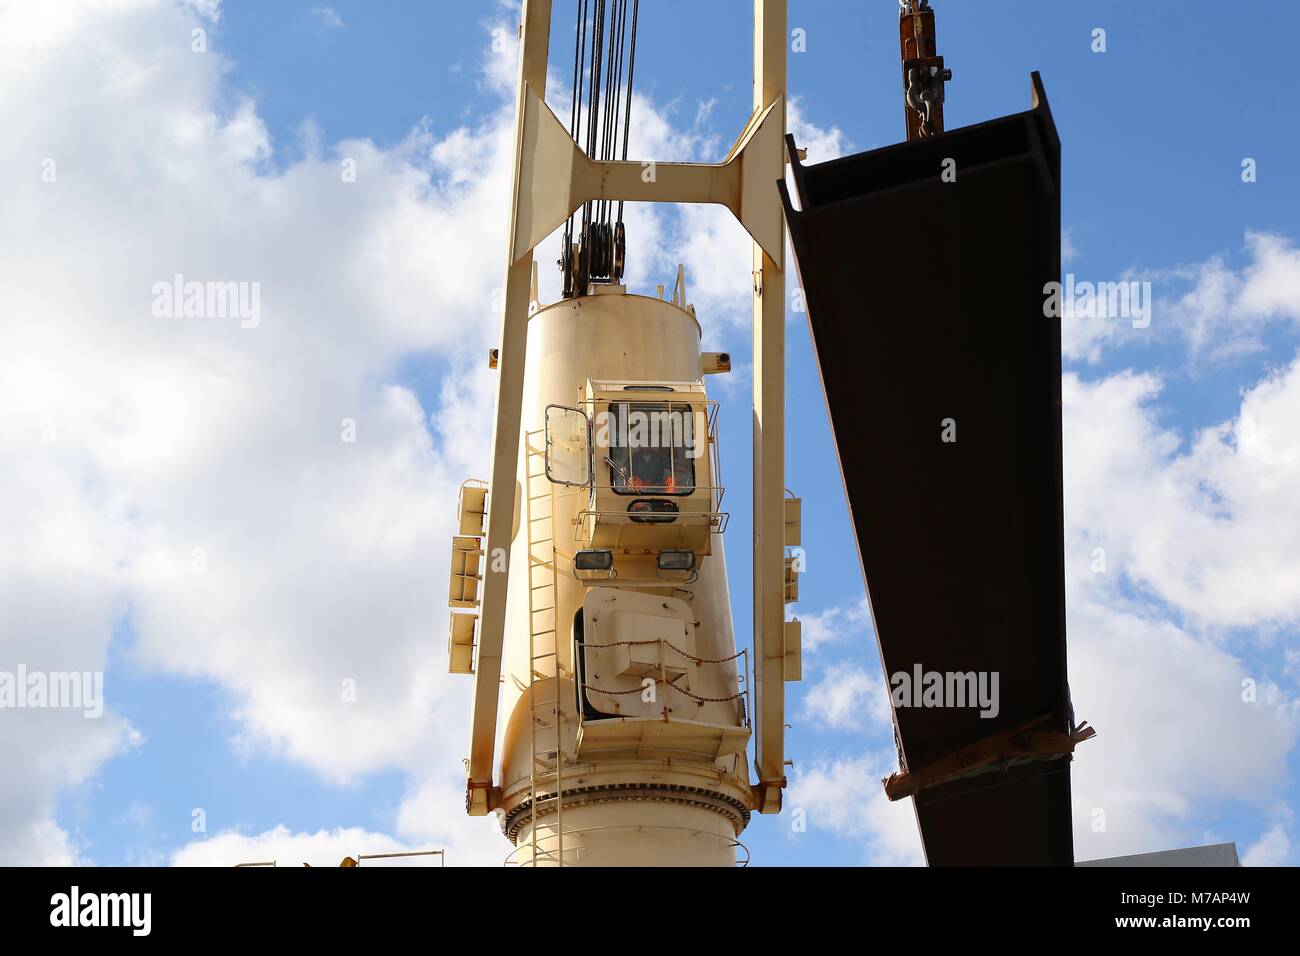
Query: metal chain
x=613 y=693
x=705 y=700
x=691 y=657
x=663 y=680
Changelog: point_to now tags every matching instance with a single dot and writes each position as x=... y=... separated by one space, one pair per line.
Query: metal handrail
x=441 y=854
x=719 y=518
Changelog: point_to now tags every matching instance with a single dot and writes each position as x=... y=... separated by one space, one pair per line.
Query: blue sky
x=1203 y=583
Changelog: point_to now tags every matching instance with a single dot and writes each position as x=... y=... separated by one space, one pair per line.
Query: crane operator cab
x=644 y=457
x=656 y=662
x=645 y=469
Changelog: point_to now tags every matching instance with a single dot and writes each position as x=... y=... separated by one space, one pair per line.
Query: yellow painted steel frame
x=552 y=178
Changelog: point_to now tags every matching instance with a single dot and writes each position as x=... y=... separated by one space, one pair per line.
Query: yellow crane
x=589 y=581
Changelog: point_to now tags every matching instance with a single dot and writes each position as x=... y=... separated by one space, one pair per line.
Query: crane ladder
x=545 y=714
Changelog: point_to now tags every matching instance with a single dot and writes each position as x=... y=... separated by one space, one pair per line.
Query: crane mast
x=588 y=582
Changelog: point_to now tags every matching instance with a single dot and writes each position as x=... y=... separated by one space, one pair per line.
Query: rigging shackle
x=924 y=74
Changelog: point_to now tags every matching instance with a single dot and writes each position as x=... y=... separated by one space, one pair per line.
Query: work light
x=676 y=560
x=595 y=559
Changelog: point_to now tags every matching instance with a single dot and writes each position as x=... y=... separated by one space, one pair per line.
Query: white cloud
x=1211 y=526
x=1174 y=734
x=430 y=817
x=705 y=110
x=197 y=485
x=500 y=67
x=280 y=846
x=1159 y=532
x=848 y=698
x=834 y=624
x=1221 y=315
x=328 y=17
x=1273 y=848
x=1086 y=337
x=845 y=796
x=822 y=143
x=1225 y=310
x=1069 y=250
x=207 y=9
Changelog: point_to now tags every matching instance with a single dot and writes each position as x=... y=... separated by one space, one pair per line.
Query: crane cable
x=599 y=252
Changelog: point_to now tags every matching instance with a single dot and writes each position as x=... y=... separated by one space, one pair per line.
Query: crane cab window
x=652 y=448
